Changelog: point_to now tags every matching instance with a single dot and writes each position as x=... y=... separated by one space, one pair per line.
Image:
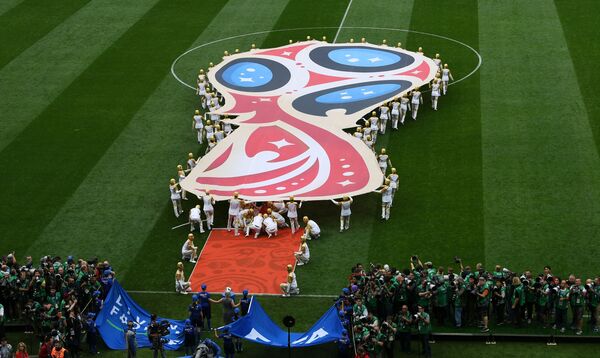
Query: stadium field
x=507 y=171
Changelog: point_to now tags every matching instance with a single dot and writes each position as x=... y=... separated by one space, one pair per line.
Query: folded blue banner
x=118 y=309
x=256 y=326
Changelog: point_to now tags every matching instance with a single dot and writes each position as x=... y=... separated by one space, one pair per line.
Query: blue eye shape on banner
x=352 y=98
x=253 y=75
x=360 y=59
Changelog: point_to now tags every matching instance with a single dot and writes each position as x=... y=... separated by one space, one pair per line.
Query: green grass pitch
x=92 y=126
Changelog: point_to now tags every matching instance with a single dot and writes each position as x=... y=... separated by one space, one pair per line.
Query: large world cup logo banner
x=291 y=104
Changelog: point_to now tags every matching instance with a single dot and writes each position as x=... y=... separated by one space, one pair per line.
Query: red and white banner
x=291 y=105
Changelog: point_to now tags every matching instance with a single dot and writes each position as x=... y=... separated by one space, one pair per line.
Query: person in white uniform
x=386 y=200
x=256 y=226
x=208 y=201
x=227 y=128
x=311 y=230
x=303 y=254
x=196 y=219
x=234 y=210
x=416 y=100
x=366 y=131
x=189 y=250
x=345 y=213
x=270 y=225
x=374 y=120
x=209 y=129
x=191 y=163
x=181 y=285
x=198 y=125
x=383 y=159
x=358 y=133
x=435 y=94
x=279 y=206
x=180 y=177
x=219 y=134
x=394 y=182
x=279 y=219
x=369 y=143
x=404 y=107
x=384 y=115
x=395 y=113
x=201 y=92
x=438 y=61
x=290 y=286
x=175 y=197
x=211 y=144
x=446 y=77
x=292 y=214
x=246 y=217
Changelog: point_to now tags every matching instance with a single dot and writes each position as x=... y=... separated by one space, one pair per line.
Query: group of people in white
x=250 y=218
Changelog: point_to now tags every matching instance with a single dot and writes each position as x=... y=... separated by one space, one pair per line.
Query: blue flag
x=256 y=326
x=118 y=309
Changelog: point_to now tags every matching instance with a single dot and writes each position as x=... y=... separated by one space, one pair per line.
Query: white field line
x=342 y=23
x=252 y=294
x=480 y=60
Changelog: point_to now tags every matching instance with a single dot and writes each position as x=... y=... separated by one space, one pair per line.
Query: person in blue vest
x=189 y=337
x=344 y=345
x=204 y=298
x=92 y=332
x=345 y=322
x=196 y=317
x=244 y=303
x=227 y=337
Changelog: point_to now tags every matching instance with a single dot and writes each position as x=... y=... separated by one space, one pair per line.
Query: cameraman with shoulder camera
x=424 y=328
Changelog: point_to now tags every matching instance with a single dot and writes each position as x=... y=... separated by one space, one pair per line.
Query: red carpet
x=241 y=263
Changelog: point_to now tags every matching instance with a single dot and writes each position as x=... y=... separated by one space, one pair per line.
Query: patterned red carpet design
x=244 y=263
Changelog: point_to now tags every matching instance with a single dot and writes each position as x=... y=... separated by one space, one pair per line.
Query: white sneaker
x=192 y=261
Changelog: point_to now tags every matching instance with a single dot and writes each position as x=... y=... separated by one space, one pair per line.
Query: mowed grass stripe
x=65 y=141
x=366 y=208
x=579 y=23
x=288 y=18
x=307 y=13
x=31 y=81
x=24 y=24
x=134 y=171
x=437 y=210
x=541 y=167
x=6 y=5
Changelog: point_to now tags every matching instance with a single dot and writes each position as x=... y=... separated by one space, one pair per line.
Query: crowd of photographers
x=382 y=305
x=57 y=298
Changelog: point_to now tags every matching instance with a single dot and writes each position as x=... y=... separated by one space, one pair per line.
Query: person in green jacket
x=404 y=321
x=577 y=299
x=424 y=328
x=517 y=302
x=562 y=306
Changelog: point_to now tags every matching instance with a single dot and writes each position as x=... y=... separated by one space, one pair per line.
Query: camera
x=457 y=260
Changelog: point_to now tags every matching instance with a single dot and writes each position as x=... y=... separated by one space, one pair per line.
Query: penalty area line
x=254 y=294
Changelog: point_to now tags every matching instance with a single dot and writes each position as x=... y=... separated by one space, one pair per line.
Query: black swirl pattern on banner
x=323 y=57
x=318 y=103
x=273 y=75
